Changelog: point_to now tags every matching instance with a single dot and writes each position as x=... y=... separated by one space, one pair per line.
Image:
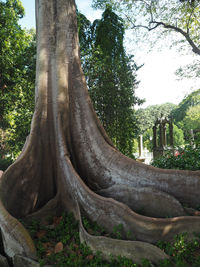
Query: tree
x=111 y=77
x=181 y=17
x=192 y=122
x=191 y=100
x=17 y=50
x=192 y=118
x=68 y=161
x=18 y=114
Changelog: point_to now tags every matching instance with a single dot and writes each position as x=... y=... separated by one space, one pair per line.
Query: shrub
x=183 y=159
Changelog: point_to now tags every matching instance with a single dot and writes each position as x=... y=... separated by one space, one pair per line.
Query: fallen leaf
x=58 y=247
x=49 y=252
x=41 y=234
x=90 y=257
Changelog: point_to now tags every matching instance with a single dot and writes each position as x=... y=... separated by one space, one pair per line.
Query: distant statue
x=160 y=144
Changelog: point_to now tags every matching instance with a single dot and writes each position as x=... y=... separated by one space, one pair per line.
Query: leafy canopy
x=164 y=16
x=188 y=101
x=111 y=77
x=17 y=60
x=192 y=118
x=148 y=116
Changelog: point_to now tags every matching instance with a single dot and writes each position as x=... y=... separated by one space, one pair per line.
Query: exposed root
x=101 y=166
x=192 y=212
x=145 y=200
x=109 y=213
x=52 y=208
x=134 y=250
x=30 y=182
x=16 y=239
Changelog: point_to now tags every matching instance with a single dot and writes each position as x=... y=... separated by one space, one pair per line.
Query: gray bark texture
x=69 y=164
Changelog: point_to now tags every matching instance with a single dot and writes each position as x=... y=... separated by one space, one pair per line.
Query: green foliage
x=146 y=16
x=153 y=21
x=191 y=100
x=85 y=40
x=182 y=251
x=17 y=60
x=5 y=163
x=111 y=77
x=117 y=231
x=192 y=118
x=148 y=116
x=64 y=230
x=178 y=135
x=184 y=159
x=94 y=229
x=186 y=115
x=191 y=122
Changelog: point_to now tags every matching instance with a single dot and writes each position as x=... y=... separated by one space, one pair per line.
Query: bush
x=183 y=159
x=5 y=163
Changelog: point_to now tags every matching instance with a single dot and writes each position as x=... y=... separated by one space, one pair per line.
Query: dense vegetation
x=58 y=244
x=182 y=159
x=17 y=60
x=111 y=77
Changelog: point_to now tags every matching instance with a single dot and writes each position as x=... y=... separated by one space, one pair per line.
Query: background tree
x=188 y=101
x=192 y=122
x=17 y=60
x=85 y=41
x=111 y=77
x=147 y=118
x=192 y=118
x=183 y=116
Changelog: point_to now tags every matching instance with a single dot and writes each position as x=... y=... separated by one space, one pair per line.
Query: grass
x=57 y=243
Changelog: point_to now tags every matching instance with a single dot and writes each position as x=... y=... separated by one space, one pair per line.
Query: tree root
x=134 y=250
x=16 y=239
x=162 y=204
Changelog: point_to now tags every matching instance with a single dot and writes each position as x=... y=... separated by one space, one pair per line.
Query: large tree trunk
x=69 y=163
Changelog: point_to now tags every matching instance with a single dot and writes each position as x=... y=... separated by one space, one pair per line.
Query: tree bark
x=68 y=162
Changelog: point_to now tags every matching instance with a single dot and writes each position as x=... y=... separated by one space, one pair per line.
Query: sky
x=158 y=82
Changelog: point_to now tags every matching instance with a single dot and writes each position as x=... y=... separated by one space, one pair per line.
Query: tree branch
x=195 y=48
